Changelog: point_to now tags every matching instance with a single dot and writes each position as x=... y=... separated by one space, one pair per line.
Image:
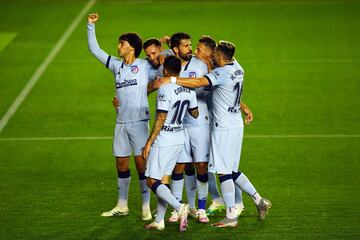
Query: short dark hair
x=172 y=65
x=208 y=41
x=151 y=41
x=134 y=40
x=227 y=49
x=176 y=38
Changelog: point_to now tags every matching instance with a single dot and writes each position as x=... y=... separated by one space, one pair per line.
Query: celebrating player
x=166 y=142
x=131 y=131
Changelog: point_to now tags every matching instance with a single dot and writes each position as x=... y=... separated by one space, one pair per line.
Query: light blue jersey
x=196 y=68
x=175 y=100
x=227 y=85
x=130 y=81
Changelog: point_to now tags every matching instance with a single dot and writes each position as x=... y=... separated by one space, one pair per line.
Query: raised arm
x=159 y=123
x=92 y=42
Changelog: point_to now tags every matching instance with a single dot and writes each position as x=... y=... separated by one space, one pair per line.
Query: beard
x=186 y=57
x=154 y=64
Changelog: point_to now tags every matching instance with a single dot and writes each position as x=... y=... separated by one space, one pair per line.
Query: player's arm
x=115 y=103
x=185 y=82
x=159 y=123
x=193 y=106
x=94 y=47
x=150 y=87
x=247 y=112
x=165 y=39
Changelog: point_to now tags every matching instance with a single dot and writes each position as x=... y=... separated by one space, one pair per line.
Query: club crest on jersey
x=134 y=69
x=192 y=74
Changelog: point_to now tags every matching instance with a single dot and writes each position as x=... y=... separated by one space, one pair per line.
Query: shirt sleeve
x=162 y=101
x=216 y=77
x=101 y=55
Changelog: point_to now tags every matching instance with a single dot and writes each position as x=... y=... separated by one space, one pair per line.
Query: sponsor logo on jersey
x=192 y=74
x=134 y=69
x=171 y=129
x=234 y=109
x=161 y=98
x=126 y=83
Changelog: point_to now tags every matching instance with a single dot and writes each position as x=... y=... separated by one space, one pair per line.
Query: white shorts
x=197 y=144
x=162 y=160
x=130 y=137
x=225 y=150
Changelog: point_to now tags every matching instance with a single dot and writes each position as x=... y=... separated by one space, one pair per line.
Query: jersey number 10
x=180 y=107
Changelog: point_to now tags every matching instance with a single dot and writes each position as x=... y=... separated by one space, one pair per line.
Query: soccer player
x=227 y=129
x=166 y=142
x=131 y=131
x=197 y=133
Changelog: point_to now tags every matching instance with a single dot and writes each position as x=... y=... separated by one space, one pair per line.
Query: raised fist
x=93 y=17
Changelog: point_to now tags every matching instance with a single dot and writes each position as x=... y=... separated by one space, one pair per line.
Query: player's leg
x=159 y=223
x=138 y=134
x=239 y=201
x=177 y=184
x=202 y=189
x=221 y=161
x=121 y=151
x=165 y=157
x=262 y=204
x=217 y=203
x=190 y=187
x=200 y=145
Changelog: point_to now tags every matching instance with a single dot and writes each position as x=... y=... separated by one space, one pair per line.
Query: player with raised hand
x=132 y=76
x=227 y=130
x=166 y=142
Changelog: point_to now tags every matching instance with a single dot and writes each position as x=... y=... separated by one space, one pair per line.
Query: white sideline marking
x=110 y=137
x=30 y=84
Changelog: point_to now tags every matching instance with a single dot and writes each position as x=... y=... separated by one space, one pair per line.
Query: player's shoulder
x=116 y=60
x=198 y=62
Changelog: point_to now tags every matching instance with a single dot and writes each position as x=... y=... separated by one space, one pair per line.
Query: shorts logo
x=192 y=74
x=134 y=69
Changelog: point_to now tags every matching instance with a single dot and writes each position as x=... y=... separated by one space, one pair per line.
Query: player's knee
x=149 y=182
x=202 y=168
x=179 y=168
x=122 y=164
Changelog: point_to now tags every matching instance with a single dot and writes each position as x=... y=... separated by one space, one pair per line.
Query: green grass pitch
x=302 y=81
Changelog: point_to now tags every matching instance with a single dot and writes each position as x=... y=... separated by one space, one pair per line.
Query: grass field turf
x=301 y=78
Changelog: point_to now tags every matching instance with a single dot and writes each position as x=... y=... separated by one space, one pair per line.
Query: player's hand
x=93 y=17
x=115 y=102
x=165 y=39
x=248 y=117
x=161 y=81
x=146 y=151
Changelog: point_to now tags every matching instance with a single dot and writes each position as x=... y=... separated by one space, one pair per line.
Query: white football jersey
x=195 y=68
x=130 y=81
x=176 y=101
x=227 y=86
